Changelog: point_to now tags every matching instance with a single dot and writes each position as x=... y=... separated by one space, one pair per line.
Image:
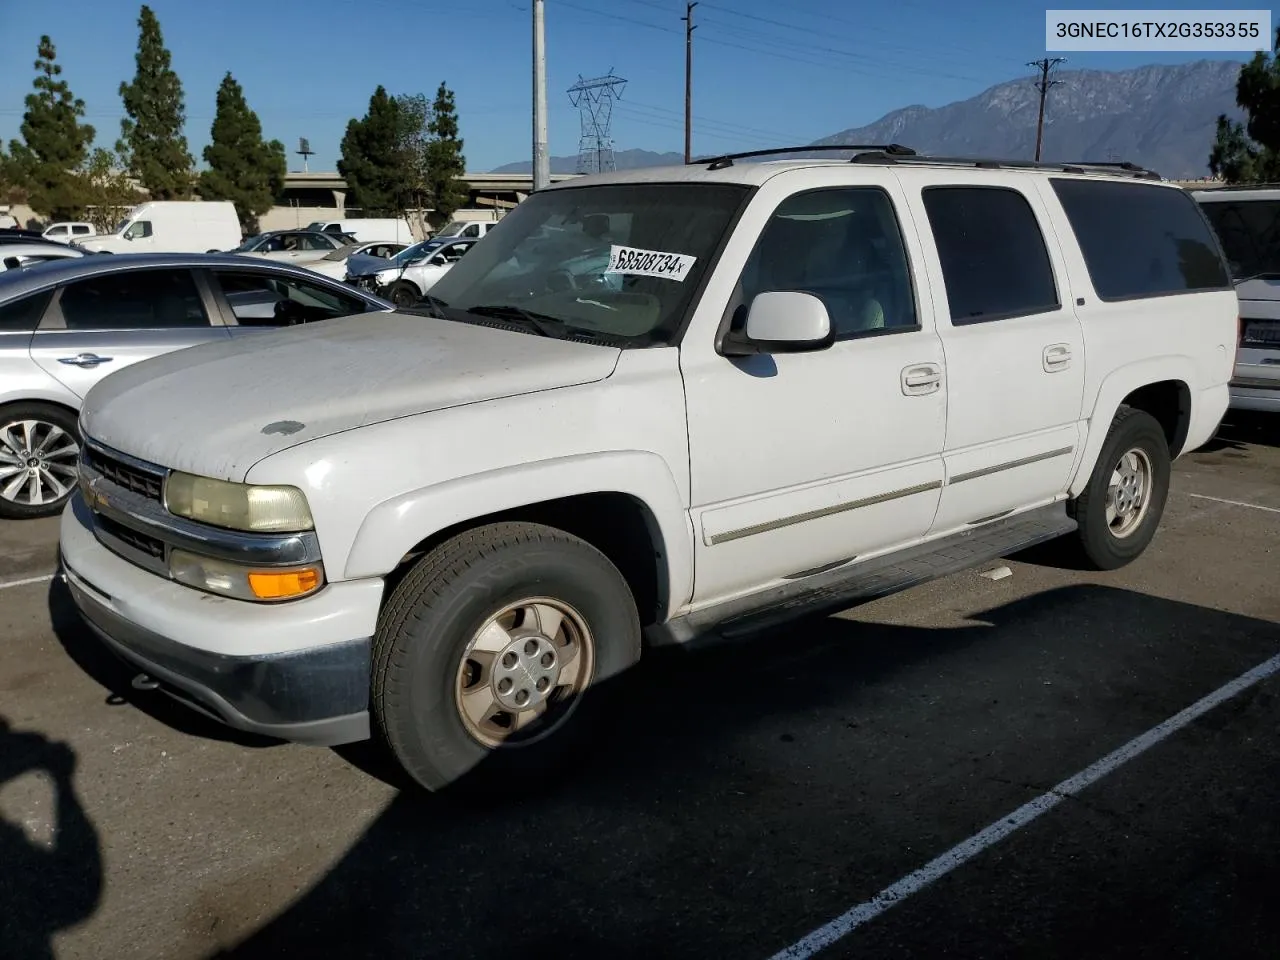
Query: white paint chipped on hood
x=219 y=408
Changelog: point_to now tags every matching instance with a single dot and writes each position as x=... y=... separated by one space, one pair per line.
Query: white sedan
x=16 y=255
x=411 y=273
x=299 y=247
x=335 y=264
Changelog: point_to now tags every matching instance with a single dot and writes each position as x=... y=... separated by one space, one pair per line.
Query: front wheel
x=487 y=652
x=1119 y=510
x=404 y=294
x=39 y=457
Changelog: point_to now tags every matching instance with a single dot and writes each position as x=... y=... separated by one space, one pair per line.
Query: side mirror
x=782 y=321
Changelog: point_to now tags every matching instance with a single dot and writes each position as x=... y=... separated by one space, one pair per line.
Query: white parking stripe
x=845 y=924
x=1235 y=503
x=29 y=580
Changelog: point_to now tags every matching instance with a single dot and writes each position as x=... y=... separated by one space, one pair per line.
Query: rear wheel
x=1120 y=509
x=39 y=456
x=488 y=651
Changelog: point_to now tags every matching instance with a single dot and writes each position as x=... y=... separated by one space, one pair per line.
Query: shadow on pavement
x=44 y=889
x=115 y=676
x=743 y=794
x=1243 y=427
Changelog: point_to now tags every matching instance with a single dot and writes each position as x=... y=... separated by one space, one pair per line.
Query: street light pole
x=541 y=163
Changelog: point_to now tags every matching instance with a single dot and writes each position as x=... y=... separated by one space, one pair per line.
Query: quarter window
x=1140 y=240
x=842 y=246
x=22 y=316
x=995 y=264
x=133 y=300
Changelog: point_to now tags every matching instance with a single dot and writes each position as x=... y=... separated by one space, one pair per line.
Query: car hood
x=363 y=265
x=219 y=408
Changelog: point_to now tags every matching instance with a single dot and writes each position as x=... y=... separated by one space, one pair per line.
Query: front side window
x=1141 y=240
x=844 y=247
x=1250 y=234
x=133 y=300
x=995 y=265
x=261 y=299
x=621 y=261
x=139 y=230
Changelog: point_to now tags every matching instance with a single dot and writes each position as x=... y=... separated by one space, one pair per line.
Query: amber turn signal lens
x=278 y=585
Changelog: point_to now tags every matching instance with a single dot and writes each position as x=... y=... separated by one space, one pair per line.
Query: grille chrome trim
x=124 y=471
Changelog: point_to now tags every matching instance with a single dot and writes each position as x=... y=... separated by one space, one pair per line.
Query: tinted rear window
x=1140 y=240
x=22 y=315
x=1250 y=233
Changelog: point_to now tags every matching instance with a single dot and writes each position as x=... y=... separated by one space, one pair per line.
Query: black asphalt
x=735 y=799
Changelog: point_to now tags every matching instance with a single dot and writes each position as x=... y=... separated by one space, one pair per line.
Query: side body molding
x=394 y=526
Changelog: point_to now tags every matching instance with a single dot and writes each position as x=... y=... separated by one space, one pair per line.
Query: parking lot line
x=1235 y=503
x=29 y=580
x=846 y=923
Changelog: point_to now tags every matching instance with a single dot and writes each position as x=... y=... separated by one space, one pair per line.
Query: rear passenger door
x=98 y=325
x=1014 y=346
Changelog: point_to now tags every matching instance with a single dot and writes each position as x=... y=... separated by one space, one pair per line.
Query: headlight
x=237 y=506
x=243 y=582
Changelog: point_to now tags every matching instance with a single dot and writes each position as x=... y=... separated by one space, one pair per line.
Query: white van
x=465 y=228
x=65 y=231
x=172 y=226
x=368 y=230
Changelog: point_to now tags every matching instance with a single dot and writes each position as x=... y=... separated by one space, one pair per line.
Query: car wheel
x=488 y=650
x=404 y=294
x=39 y=456
x=1119 y=510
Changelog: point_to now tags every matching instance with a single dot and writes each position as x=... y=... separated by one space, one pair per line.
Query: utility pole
x=1043 y=84
x=688 y=80
x=541 y=163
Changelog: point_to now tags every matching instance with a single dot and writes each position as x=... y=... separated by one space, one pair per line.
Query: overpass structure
x=329 y=189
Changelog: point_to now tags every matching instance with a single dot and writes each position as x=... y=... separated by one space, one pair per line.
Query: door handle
x=921 y=379
x=1056 y=357
x=86 y=360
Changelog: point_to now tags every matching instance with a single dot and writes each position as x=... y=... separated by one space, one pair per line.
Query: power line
x=1044 y=84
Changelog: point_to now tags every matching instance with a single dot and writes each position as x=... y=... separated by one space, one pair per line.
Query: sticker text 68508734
x=649 y=263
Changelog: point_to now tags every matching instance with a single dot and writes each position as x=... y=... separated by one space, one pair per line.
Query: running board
x=851 y=584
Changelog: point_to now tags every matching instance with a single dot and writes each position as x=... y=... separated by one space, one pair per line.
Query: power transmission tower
x=1043 y=84
x=688 y=80
x=594 y=100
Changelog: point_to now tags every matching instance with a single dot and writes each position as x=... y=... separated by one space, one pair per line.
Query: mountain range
x=1162 y=117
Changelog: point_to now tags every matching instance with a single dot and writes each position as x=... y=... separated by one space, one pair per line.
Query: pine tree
x=46 y=163
x=1250 y=152
x=445 y=162
x=243 y=168
x=151 y=133
x=371 y=159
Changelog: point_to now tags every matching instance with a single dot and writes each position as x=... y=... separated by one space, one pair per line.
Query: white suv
x=786 y=387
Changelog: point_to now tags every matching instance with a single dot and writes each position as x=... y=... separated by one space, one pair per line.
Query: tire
x=404 y=294
x=52 y=430
x=421 y=665
x=1105 y=544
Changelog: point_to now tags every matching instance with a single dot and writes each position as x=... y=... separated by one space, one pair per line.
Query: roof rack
x=989 y=163
x=726 y=160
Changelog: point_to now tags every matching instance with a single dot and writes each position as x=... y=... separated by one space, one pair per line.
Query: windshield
x=1250 y=234
x=620 y=260
x=452 y=228
x=250 y=244
x=409 y=254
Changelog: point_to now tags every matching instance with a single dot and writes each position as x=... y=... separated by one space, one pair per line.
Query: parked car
x=16 y=255
x=172 y=226
x=368 y=229
x=335 y=263
x=408 y=276
x=1247 y=221
x=66 y=231
x=820 y=382
x=293 y=246
x=465 y=229
x=65 y=326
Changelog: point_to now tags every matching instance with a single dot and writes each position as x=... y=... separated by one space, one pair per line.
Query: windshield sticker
x=649 y=263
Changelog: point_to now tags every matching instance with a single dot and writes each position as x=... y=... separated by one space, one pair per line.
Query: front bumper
x=297 y=671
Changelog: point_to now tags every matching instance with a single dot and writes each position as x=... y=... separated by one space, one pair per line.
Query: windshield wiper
x=541 y=323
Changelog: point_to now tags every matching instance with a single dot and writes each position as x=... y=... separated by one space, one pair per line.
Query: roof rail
x=726 y=160
x=991 y=163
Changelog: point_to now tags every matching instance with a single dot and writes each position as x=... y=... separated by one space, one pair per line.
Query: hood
x=219 y=408
x=363 y=265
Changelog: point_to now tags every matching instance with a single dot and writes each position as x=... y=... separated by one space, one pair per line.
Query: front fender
x=395 y=526
x=1118 y=385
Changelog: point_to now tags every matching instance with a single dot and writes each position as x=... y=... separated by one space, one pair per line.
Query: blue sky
x=765 y=73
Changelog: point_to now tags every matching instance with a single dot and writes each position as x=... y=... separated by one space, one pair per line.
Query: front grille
x=138 y=541
x=123 y=475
